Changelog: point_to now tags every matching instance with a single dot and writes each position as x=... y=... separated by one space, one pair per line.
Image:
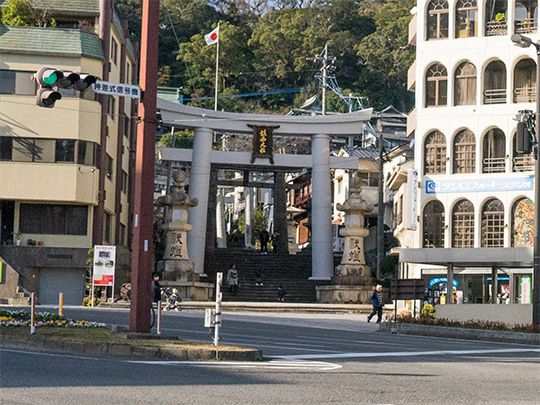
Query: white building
x=476 y=191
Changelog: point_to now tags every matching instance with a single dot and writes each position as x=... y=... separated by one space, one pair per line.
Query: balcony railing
x=526 y=26
x=494 y=165
x=495 y=96
x=494 y=28
x=525 y=94
x=523 y=163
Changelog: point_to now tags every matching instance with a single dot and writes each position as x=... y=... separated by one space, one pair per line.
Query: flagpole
x=217 y=70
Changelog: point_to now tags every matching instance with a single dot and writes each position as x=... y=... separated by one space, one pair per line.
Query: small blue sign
x=479 y=185
x=438 y=280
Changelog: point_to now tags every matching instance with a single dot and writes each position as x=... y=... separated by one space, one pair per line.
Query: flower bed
x=22 y=318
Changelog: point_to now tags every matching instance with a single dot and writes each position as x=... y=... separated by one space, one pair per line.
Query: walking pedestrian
x=264 y=238
x=377 y=302
x=232 y=279
x=156 y=288
x=281 y=293
x=259 y=278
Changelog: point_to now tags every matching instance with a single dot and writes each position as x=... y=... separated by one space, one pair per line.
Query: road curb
x=122 y=350
x=461 y=333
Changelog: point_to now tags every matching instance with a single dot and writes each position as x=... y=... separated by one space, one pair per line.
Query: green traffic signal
x=51 y=79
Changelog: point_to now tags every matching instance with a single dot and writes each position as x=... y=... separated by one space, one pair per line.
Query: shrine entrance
x=212 y=171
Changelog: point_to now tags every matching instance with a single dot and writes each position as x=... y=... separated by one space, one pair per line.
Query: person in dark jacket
x=264 y=238
x=377 y=302
x=156 y=288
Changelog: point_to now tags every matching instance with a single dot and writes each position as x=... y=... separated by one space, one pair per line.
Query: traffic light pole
x=536 y=249
x=142 y=246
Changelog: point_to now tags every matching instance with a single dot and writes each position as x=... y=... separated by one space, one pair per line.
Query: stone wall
x=9 y=288
x=507 y=313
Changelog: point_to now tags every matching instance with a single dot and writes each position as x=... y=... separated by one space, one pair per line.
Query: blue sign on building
x=438 y=280
x=479 y=185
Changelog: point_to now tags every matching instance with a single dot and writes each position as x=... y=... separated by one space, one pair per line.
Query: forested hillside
x=269 y=45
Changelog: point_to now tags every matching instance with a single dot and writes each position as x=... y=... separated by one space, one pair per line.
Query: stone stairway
x=290 y=271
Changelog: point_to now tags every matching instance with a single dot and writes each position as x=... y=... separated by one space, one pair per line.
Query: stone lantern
x=352 y=277
x=176 y=267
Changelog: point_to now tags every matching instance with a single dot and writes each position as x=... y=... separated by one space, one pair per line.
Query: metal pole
x=142 y=258
x=92 y=292
x=380 y=210
x=158 y=321
x=61 y=304
x=217 y=314
x=33 y=313
x=450 y=284
x=324 y=75
x=536 y=254
x=217 y=69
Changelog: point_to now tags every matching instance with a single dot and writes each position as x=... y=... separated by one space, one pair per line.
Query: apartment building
x=475 y=188
x=64 y=171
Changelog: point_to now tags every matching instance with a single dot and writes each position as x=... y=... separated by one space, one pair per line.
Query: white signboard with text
x=412 y=206
x=104 y=265
x=117 y=89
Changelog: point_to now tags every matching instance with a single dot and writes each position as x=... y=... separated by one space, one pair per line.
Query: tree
x=26 y=13
x=386 y=55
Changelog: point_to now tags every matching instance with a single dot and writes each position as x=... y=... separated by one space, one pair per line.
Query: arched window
x=463 y=225
x=526 y=16
x=496 y=21
x=435 y=153
x=525 y=81
x=494 y=151
x=436 y=85
x=466 y=16
x=495 y=83
x=493 y=223
x=437 y=19
x=465 y=84
x=433 y=231
x=523 y=223
x=464 y=152
x=521 y=162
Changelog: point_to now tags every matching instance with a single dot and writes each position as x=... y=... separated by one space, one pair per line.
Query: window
x=465 y=84
x=128 y=72
x=495 y=12
x=523 y=223
x=16 y=82
x=494 y=153
x=122 y=235
x=107 y=228
x=114 y=51
x=49 y=219
x=125 y=125
x=466 y=16
x=495 y=83
x=436 y=85
x=463 y=225
x=435 y=153
x=86 y=154
x=521 y=162
x=109 y=167
x=124 y=181
x=33 y=150
x=493 y=223
x=526 y=16
x=369 y=179
x=65 y=150
x=6 y=148
x=433 y=230
x=437 y=19
x=525 y=81
x=464 y=152
x=112 y=106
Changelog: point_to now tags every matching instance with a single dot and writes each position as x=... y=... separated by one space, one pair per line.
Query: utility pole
x=380 y=209
x=142 y=262
x=326 y=69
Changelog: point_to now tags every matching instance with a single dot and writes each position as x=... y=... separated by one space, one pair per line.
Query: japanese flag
x=212 y=37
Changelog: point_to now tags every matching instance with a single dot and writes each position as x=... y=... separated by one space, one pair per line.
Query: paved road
x=321 y=359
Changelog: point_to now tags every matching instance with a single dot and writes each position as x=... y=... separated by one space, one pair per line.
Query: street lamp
x=525 y=42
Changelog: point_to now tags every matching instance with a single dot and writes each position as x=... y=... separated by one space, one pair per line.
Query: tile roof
x=49 y=41
x=78 y=7
x=371 y=153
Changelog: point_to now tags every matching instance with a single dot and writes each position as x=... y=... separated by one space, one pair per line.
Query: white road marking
x=402 y=354
x=274 y=364
x=262 y=345
x=352 y=342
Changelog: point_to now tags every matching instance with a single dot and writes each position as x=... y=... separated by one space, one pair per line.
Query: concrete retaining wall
x=507 y=313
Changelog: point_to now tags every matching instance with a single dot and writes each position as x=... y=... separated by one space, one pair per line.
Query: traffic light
x=51 y=80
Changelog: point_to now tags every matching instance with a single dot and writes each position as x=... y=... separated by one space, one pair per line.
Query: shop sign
x=262 y=142
x=412 y=209
x=480 y=185
x=438 y=280
x=104 y=265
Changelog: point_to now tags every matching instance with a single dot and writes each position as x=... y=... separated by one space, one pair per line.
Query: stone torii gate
x=319 y=128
